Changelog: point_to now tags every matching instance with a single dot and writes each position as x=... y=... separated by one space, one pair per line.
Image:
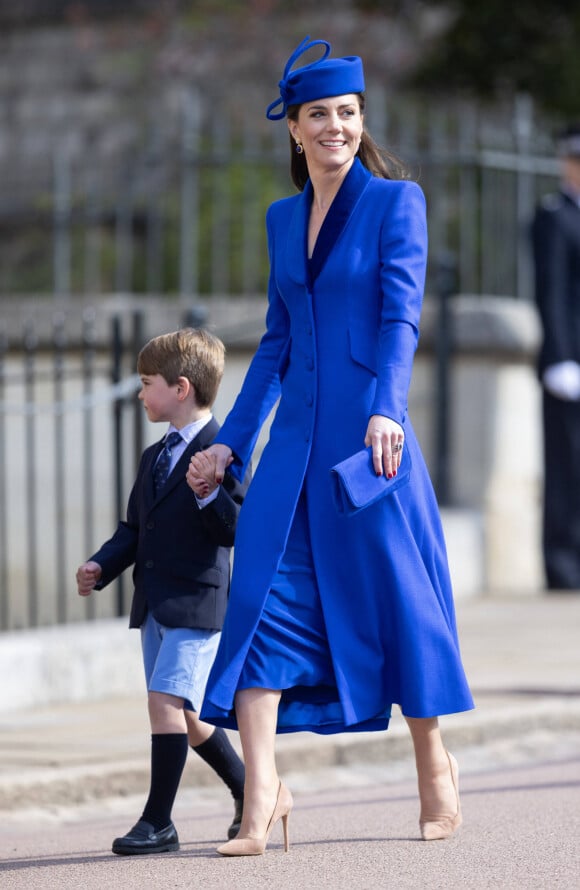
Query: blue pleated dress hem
x=302 y=717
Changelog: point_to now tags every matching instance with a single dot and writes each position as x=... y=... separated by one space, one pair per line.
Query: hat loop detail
x=302 y=47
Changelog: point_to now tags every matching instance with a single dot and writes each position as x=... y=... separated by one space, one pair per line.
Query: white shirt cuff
x=203 y=502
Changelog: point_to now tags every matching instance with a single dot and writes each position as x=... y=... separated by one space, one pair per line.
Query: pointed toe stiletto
x=255 y=846
x=437 y=827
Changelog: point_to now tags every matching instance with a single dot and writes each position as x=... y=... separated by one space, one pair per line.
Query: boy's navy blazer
x=181 y=554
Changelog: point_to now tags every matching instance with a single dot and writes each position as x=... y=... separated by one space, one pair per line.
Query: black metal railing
x=181 y=209
x=71 y=431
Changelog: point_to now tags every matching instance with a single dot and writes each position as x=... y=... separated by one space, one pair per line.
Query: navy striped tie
x=161 y=468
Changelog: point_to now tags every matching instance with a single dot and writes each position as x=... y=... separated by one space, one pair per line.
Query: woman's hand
x=386 y=438
x=206 y=469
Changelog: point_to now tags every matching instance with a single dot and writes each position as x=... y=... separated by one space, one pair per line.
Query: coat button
x=149 y=564
x=150 y=525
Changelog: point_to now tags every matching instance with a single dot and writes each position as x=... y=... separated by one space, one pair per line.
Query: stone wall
x=495 y=438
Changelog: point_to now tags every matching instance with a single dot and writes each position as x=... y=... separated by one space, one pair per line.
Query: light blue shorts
x=177 y=660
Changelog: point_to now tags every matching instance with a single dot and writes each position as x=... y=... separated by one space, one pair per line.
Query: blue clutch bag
x=355 y=485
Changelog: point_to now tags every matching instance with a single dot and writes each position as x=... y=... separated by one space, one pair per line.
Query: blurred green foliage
x=490 y=47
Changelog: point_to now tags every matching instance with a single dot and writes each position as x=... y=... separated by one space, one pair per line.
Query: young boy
x=179 y=545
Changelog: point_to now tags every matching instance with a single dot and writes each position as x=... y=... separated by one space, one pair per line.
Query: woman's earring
x=299 y=149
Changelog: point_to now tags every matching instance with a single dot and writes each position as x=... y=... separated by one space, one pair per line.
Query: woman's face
x=329 y=130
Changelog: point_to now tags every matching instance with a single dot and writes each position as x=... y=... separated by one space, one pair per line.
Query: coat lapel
x=338 y=216
x=148 y=473
x=296 y=245
x=299 y=268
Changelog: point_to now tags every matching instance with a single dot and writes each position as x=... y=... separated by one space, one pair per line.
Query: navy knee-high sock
x=217 y=751
x=168 y=756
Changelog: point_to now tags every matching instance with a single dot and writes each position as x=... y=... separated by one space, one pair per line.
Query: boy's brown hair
x=193 y=353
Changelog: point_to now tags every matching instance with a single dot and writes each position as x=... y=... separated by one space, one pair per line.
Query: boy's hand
x=201 y=474
x=87 y=576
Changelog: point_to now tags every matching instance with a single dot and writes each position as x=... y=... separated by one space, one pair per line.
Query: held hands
x=386 y=438
x=206 y=469
x=88 y=575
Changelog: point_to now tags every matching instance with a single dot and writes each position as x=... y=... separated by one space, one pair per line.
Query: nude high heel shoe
x=255 y=846
x=437 y=827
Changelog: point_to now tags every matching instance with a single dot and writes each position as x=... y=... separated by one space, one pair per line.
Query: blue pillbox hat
x=325 y=77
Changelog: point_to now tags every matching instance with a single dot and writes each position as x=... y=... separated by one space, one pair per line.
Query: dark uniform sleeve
x=550 y=246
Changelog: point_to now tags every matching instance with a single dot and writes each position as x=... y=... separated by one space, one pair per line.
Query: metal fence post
x=525 y=198
x=124 y=232
x=116 y=372
x=30 y=343
x=59 y=344
x=189 y=197
x=446 y=285
x=62 y=222
x=138 y=414
x=88 y=374
x=4 y=604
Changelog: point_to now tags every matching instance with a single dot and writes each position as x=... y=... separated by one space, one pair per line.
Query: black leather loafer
x=144 y=839
x=235 y=826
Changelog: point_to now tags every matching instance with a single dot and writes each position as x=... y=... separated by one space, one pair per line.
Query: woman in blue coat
x=338 y=608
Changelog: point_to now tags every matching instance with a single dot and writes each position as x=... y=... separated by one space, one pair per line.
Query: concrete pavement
x=520 y=832
x=74 y=729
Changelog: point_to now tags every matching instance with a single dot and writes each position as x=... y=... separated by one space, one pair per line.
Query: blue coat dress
x=341 y=333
